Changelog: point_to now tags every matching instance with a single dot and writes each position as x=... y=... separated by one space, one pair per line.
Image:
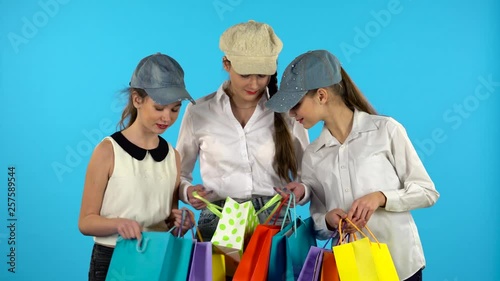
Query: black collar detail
x=159 y=153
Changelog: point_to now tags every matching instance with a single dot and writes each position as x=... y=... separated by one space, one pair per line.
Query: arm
x=418 y=189
x=90 y=222
x=175 y=217
x=188 y=149
x=300 y=138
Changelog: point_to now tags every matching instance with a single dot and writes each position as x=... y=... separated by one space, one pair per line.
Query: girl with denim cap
x=133 y=175
x=244 y=149
x=362 y=166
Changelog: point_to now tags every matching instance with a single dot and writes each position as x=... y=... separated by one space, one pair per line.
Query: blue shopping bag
x=289 y=248
x=157 y=256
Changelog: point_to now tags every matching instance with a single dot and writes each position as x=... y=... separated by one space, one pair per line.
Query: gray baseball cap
x=309 y=71
x=162 y=78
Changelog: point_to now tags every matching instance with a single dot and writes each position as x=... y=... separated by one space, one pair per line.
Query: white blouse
x=376 y=156
x=234 y=161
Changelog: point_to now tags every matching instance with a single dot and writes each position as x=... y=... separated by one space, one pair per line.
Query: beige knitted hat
x=251 y=47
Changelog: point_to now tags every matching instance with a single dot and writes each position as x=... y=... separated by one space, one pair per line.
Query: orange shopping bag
x=254 y=263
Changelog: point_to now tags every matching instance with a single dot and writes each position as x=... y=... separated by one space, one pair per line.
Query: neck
x=339 y=121
x=140 y=137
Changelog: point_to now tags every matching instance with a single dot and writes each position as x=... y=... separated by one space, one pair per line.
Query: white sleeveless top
x=141 y=186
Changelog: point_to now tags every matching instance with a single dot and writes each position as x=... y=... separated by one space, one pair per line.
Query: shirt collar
x=159 y=153
x=362 y=122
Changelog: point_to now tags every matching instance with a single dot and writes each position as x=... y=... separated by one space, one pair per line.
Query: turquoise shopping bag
x=157 y=256
x=289 y=248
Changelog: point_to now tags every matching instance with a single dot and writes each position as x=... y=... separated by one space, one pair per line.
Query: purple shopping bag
x=312 y=265
x=201 y=263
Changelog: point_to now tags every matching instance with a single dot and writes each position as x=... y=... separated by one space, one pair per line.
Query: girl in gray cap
x=362 y=166
x=244 y=149
x=133 y=175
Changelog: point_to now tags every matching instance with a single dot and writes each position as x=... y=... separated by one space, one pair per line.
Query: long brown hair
x=350 y=93
x=129 y=113
x=285 y=162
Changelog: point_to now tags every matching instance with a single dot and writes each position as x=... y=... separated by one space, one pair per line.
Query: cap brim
x=283 y=101
x=170 y=95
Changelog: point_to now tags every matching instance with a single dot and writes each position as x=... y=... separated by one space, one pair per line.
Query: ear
x=226 y=63
x=137 y=100
x=322 y=96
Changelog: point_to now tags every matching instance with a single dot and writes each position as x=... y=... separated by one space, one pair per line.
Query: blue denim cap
x=309 y=71
x=162 y=78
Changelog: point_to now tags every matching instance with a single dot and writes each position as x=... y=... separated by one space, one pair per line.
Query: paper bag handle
x=215 y=209
x=359 y=230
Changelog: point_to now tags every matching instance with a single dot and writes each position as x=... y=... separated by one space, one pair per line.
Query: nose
x=166 y=117
x=253 y=83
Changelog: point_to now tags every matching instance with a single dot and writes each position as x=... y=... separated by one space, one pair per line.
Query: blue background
x=425 y=63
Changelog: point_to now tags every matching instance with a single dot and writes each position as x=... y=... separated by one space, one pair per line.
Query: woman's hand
x=296 y=188
x=363 y=208
x=333 y=217
x=128 y=229
x=176 y=218
x=196 y=203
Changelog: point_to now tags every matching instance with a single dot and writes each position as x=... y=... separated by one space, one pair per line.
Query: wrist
x=383 y=199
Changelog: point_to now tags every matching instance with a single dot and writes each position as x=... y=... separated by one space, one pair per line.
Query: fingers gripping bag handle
x=215 y=209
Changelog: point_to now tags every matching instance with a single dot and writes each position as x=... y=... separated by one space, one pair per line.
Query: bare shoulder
x=104 y=150
x=177 y=155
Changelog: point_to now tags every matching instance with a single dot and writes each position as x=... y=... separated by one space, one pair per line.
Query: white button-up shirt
x=234 y=161
x=376 y=156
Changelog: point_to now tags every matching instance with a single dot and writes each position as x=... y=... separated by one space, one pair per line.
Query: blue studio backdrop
x=432 y=65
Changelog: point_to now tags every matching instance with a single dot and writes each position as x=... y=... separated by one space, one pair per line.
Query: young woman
x=133 y=175
x=244 y=149
x=362 y=166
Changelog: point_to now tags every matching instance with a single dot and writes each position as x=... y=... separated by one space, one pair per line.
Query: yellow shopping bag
x=218 y=267
x=363 y=260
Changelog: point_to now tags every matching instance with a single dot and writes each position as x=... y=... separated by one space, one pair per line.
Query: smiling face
x=154 y=117
x=246 y=88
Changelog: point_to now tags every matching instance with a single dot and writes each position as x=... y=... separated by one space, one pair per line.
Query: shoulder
x=104 y=152
x=203 y=101
x=384 y=122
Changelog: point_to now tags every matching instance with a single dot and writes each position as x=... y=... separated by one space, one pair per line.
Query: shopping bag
x=150 y=258
x=201 y=262
x=237 y=221
x=254 y=262
x=236 y=224
x=289 y=248
x=218 y=267
x=329 y=271
x=206 y=265
x=312 y=265
x=363 y=260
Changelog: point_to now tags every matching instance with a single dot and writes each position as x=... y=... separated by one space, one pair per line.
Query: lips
x=163 y=127
x=252 y=93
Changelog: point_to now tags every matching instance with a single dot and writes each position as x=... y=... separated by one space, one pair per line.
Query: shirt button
x=342 y=167
x=346 y=189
